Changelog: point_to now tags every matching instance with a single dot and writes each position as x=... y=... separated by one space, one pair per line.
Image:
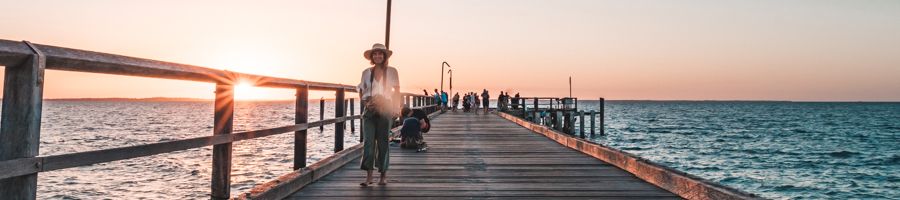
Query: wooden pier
x=486 y=156
x=471 y=155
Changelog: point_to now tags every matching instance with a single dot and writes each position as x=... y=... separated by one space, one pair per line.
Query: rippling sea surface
x=779 y=150
x=78 y=126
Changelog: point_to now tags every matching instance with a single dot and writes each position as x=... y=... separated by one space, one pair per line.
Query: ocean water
x=78 y=126
x=779 y=150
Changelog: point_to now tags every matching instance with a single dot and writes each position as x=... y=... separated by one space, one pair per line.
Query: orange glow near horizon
x=644 y=50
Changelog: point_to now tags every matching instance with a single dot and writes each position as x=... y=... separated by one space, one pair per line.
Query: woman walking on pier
x=379 y=89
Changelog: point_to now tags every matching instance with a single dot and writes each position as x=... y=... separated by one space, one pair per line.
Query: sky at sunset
x=813 y=50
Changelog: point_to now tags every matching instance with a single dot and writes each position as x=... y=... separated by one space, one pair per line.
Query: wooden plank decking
x=485 y=156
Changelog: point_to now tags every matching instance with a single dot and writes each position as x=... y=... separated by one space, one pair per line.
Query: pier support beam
x=222 y=124
x=301 y=116
x=20 y=128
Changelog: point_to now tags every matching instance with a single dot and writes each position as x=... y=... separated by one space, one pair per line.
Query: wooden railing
x=22 y=100
x=565 y=109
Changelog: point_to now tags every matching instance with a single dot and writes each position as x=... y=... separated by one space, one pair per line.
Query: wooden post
x=20 y=127
x=602 y=116
x=301 y=116
x=352 y=113
x=362 y=109
x=339 y=127
x=321 y=113
x=592 y=123
x=535 y=111
x=581 y=123
x=346 y=109
x=222 y=124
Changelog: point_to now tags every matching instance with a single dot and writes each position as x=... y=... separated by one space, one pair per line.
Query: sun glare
x=245 y=91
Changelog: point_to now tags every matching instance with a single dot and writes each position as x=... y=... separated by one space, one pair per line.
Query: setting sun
x=246 y=91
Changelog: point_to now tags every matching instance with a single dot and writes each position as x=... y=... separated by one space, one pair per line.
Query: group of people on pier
x=379 y=91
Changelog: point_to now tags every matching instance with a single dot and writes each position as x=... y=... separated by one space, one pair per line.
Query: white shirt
x=368 y=88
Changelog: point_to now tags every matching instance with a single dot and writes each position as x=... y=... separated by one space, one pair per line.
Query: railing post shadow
x=339 y=127
x=20 y=127
x=222 y=124
x=301 y=116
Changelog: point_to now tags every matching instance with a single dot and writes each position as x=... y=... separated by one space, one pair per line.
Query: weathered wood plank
x=484 y=156
x=301 y=116
x=678 y=182
x=339 y=127
x=222 y=125
x=20 y=128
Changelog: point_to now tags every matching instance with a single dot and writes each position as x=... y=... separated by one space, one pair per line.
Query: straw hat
x=379 y=47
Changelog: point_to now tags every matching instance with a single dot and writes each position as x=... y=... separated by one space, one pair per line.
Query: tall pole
x=387 y=29
x=570 y=87
x=442 y=73
x=451 y=81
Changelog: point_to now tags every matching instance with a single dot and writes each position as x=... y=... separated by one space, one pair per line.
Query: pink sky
x=686 y=50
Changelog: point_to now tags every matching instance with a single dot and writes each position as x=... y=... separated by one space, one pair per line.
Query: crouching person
x=415 y=123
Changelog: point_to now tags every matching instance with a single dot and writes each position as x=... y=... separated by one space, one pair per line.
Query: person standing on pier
x=476 y=101
x=379 y=89
x=515 y=101
x=437 y=98
x=500 y=101
x=444 y=99
x=455 y=101
x=486 y=100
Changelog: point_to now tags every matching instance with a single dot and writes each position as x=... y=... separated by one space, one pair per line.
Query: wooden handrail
x=59 y=58
x=63 y=161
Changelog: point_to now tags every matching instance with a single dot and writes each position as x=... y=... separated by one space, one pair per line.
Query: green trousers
x=375 y=135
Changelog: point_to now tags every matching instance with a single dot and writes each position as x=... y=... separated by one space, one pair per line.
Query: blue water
x=779 y=150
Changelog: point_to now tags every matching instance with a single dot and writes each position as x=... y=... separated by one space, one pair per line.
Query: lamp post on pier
x=442 y=83
x=387 y=27
x=442 y=73
x=450 y=71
